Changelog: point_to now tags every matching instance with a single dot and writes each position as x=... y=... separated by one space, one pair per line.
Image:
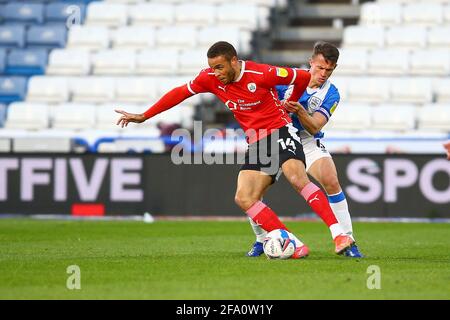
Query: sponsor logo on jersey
x=314 y=104
x=281 y=72
x=251 y=87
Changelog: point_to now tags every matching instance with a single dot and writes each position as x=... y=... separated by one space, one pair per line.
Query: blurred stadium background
x=66 y=65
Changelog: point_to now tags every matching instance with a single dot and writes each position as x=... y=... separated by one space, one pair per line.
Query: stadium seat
x=134 y=37
x=88 y=37
x=363 y=37
x=411 y=37
x=176 y=37
x=157 y=62
x=107 y=14
x=206 y=37
x=446 y=14
x=372 y=89
x=426 y=14
x=192 y=61
x=152 y=14
x=12 y=36
x=350 y=116
x=388 y=62
x=2 y=60
x=114 y=62
x=48 y=89
x=411 y=90
x=30 y=116
x=60 y=11
x=430 y=62
x=74 y=116
x=92 y=89
x=342 y=84
x=199 y=15
x=3 y=111
x=12 y=89
x=26 y=62
x=27 y=13
x=136 y=90
x=244 y=16
x=47 y=36
x=437 y=37
x=435 y=117
x=384 y=14
x=107 y=117
x=352 y=61
x=69 y=62
x=440 y=87
x=167 y=83
x=393 y=117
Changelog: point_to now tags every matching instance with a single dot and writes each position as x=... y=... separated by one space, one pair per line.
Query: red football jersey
x=252 y=97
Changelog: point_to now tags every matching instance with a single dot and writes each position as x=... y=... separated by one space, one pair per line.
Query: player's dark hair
x=222 y=48
x=329 y=51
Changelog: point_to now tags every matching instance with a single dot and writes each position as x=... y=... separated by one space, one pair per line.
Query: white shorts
x=312 y=148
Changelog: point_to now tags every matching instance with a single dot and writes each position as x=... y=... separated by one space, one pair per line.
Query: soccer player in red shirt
x=248 y=90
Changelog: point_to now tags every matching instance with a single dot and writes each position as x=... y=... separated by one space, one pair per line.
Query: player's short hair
x=328 y=50
x=222 y=48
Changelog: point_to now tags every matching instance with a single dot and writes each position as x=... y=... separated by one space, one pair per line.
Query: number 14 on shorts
x=288 y=144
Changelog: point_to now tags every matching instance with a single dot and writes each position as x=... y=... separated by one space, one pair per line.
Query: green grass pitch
x=206 y=260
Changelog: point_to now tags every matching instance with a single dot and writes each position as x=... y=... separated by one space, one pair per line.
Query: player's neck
x=314 y=85
x=237 y=71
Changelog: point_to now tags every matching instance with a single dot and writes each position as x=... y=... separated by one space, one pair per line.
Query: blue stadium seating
x=58 y=11
x=23 y=12
x=51 y=36
x=12 y=36
x=12 y=89
x=2 y=60
x=26 y=62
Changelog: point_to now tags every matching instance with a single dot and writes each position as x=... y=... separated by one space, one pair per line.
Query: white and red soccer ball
x=279 y=244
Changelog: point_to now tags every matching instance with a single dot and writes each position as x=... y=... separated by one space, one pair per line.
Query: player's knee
x=244 y=201
x=297 y=181
x=331 y=184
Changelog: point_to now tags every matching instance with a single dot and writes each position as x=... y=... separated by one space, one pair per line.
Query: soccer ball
x=279 y=244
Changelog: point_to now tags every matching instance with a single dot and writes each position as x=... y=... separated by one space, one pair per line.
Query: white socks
x=259 y=232
x=338 y=203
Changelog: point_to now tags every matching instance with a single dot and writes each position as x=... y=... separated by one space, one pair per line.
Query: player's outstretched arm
x=169 y=100
x=129 y=117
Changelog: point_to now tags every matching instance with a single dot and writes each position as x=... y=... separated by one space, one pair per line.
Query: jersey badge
x=281 y=72
x=251 y=87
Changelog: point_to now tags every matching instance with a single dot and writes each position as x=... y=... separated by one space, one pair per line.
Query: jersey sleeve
x=330 y=104
x=274 y=76
x=200 y=83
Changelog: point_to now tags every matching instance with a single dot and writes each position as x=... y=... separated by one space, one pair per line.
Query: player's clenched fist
x=129 y=117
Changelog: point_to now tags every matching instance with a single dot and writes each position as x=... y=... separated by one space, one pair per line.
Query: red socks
x=265 y=217
x=318 y=201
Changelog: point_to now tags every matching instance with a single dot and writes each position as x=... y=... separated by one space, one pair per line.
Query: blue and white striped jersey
x=324 y=99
